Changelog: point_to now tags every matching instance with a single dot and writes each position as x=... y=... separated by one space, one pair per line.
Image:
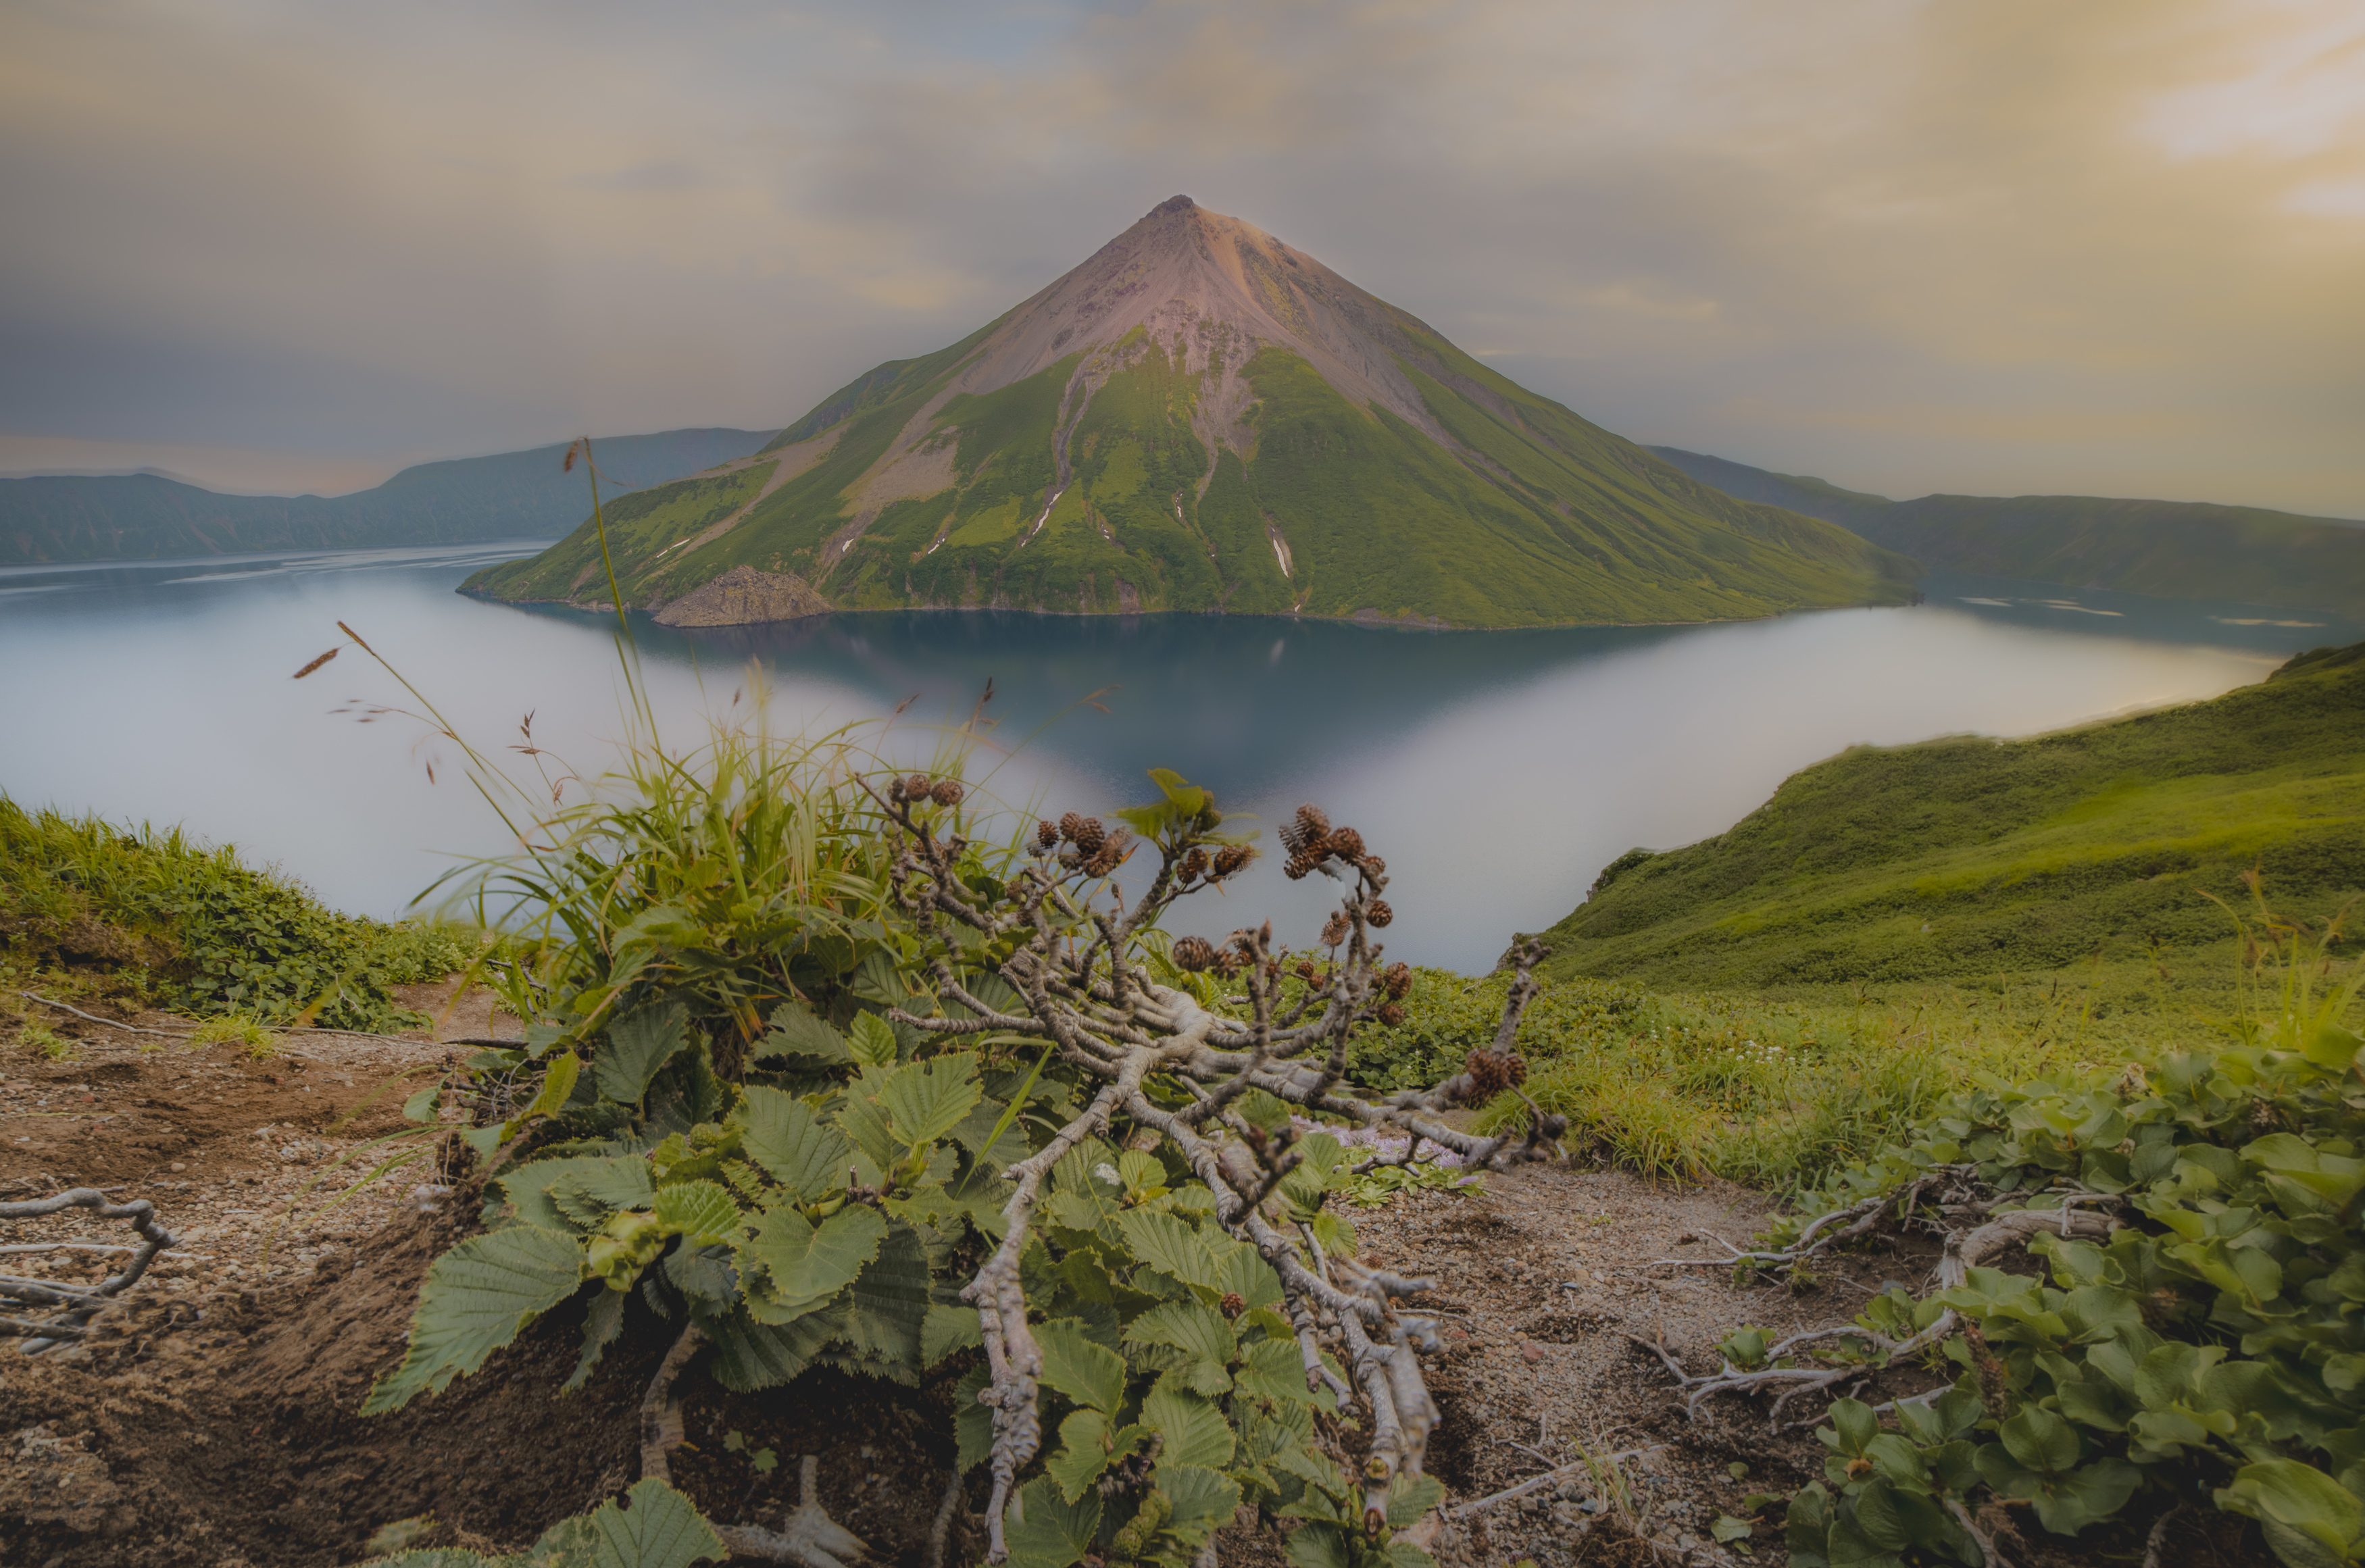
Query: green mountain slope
x=2169 y=549
x=145 y=517
x=1200 y=417
x=1959 y=859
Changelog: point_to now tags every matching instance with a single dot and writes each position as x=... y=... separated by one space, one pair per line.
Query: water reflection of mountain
x=1253 y=698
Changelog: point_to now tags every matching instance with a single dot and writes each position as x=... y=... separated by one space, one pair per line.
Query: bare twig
x=81 y=1303
x=1468 y=1509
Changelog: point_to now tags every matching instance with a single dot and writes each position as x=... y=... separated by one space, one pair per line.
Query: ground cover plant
x=2192 y=1331
x=161 y=917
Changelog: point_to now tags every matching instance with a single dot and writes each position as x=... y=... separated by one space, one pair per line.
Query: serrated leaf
x=790 y=1266
x=659 y=1529
x=1194 y=1430
x=791 y=1143
x=1172 y=1247
x=1200 y=1499
x=421 y=1107
x=1190 y=1326
x=925 y=1100
x=796 y=1031
x=1276 y=1369
x=885 y=1306
x=865 y=1122
x=477 y=1298
x=1409 y=1499
x=701 y=1211
x=703 y=1275
x=1318 y=1546
x=974 y=1128
x=947 y=1329
x=749 y=1356
x=973 y=1422
x=638 y=1043
x=601 y=1323
x=618 y=1181
x=871 y=1040
x=1082 y=1454
x=1089 y=1374
x=1045 y=1530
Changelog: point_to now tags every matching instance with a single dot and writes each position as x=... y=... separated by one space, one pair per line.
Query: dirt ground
x=211 y=1423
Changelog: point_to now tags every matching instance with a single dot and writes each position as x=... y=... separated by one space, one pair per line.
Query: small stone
x=178 y=1165
x=1531 y=1353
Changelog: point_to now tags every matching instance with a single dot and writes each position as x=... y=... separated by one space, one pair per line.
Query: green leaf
x=1172 y=1247
x=926 y=1100
x=973 y=1422
x=1857 y=1424
x=1197 y=1330
x=637 y=1045
x=796 y=1031
x=557 y=1087
x=872 y=1040
x=1082 y=1454
x=1409 y=1499
x=660 y=1528
x=603 y=1321
x=477 y=1298
x=421 y=1107
x=1202 y=1501
x=947 y=1329
x=1194 y=1430
x=749 y=1355
x=887 y=1304
x=612 y=1181
x=1045 y=1530
x=790 y=1266
x=1087 y=1373
x=791 y=1143
x=2308 y=1504
x=700 y=1211
x=2040 y=1439
x=1320 y=1546
x=1728 y=1530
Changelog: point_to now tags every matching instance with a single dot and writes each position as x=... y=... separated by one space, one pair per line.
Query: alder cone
x=1195 y=864
x=1085 y=833
x=1346 y=843
x=946 y=792
x=1379 y=913
x=1399 y=981
x=915 y=788
x=1335 y=931
x=1047 y=835
x=1300 y=863
x=1491 y=1073
x=1195 y=954
x=1391 y=1015
x=1230 y=859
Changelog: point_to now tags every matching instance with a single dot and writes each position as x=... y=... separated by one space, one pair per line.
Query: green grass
x=1773 y=1091
x=149 y=915
x=2093 y=854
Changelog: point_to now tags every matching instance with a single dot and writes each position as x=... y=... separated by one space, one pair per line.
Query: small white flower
x=1107 y=1173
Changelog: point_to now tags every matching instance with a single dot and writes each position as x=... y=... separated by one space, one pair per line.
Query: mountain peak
x=1173 y=204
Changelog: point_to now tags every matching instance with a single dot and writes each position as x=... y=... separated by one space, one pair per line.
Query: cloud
x=1910 y=245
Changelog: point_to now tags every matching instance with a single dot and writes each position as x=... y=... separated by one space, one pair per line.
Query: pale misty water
x=1497 y=771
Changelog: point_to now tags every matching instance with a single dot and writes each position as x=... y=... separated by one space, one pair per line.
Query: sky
x=1983 y=246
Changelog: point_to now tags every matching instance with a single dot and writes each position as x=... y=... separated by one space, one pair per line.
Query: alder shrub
x=2194 y=1334
x=820 y=1077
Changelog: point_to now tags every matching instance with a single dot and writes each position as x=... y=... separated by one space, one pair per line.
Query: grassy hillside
x=1960 y=859
x=1530 y=516
x=145 y=517
x=2168 y=549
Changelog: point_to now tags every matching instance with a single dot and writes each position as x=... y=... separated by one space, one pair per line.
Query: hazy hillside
x=2171 y=549
x=1201 y=418
x=1961 y=858
x=510 y=495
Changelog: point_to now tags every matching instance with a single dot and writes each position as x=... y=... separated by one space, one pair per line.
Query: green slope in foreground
x=1200 y=463
x=1962 y=858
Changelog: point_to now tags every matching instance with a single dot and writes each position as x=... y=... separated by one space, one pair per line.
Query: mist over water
x=1496 y=771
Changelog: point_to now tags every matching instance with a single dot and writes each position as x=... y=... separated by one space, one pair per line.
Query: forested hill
x=2168 y=549
x=1200 y=417
x=511 y=495
x=1960 y=857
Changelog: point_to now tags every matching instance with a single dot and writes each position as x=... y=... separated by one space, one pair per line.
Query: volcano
x=1202 y=417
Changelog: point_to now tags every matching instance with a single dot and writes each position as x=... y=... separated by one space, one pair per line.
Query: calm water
x=1497 y=771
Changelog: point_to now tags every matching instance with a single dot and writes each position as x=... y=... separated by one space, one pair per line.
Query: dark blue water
x=1496 y=771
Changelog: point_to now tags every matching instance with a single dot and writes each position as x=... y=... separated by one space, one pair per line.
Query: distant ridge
x=131 y=516
x=1200 y=417
x=2168 y=549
